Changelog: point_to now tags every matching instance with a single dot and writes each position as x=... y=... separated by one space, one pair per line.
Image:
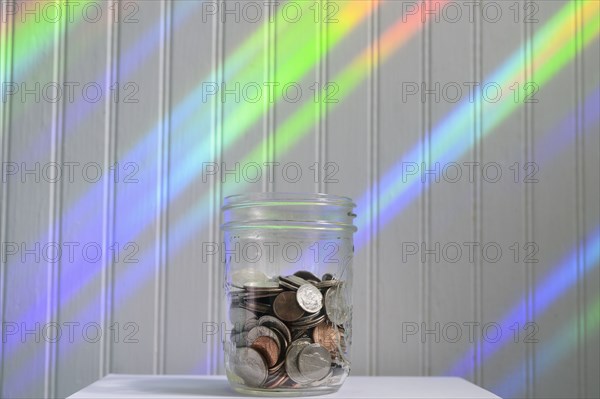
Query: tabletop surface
x=192 y=386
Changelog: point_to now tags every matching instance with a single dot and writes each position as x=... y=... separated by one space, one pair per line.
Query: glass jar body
x=288 y=286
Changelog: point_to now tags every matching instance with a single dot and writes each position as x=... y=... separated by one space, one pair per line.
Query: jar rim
x=286 y=198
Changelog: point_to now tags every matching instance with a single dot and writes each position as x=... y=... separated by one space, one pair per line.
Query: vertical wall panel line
x=6 y=74
x=109 y=200
x=55 y=209
x=322 y=114
x=477 y=192
x=162 y=211
x=269 y=114
x=214 y=288
x=373 y=178
x=579 y=204
x=529 y=236
x=425 y=197
x=318 y=78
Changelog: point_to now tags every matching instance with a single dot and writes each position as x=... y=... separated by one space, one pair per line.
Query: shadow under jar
x=288 y=284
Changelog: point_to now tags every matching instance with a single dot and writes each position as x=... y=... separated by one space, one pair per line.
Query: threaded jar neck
x=288 y=211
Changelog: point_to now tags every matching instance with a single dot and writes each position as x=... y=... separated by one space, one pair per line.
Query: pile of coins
x=287 y=331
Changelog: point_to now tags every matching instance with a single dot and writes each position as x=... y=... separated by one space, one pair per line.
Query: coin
x=255 y=306
x=261 y=331
x=238 y=317
x=314 y=362
x=309 y=298
x=335 y=306
x=261 y=286
x=268 y=348
x=306 y=275
x=246 y=275
x=308 y=323
x=327 y=336
x=250 y=366
x=327 y=276
x=291 y=361
x=274 y=323
x=286 y=307
x=287 y=285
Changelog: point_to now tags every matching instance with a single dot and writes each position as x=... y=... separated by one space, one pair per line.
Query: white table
x=190 y=386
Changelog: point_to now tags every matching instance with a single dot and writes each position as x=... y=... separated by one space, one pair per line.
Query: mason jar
x=288 y=285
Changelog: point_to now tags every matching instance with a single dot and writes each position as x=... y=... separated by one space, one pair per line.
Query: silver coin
x=250 y=324
x=261 y=285
x=238 y=317
x=287 y=285
x=291 y=361
x=314 y=362
x=239 y=339
x=250 y=366
x=309 y=298
x=299 y=281
x=335 y=305
x=246 y=275
x=276 y=324
x=261 y=331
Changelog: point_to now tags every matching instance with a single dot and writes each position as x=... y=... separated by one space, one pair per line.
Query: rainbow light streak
x=563 y=132
x=548 y=290
x=448 y=136
x=38 y=34
x=559 y=345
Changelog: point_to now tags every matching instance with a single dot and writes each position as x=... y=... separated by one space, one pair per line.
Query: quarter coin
x=335 y=305
x=309 y=298
x=314 y=362
x=291 y=361
x=250 y=366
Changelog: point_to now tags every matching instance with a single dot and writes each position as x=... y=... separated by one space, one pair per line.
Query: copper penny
x=268 y=348
x=327 y=336
x=286 y=307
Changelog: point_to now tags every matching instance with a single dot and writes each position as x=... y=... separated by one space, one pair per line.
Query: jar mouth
x=277 y=198
x=290 y=211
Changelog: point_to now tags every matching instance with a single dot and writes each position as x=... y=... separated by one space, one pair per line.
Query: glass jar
x=288 y=286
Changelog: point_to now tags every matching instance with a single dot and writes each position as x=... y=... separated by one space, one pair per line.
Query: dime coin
x=250 y=366
x=286 y=307
x=291 y=361
x=314 y=362
x=309 y=298
x=268 y=348
x=261 y=331
x=335 y=305
x=327 y=336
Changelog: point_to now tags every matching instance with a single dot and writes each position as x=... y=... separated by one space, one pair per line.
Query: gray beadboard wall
x=140 y=306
